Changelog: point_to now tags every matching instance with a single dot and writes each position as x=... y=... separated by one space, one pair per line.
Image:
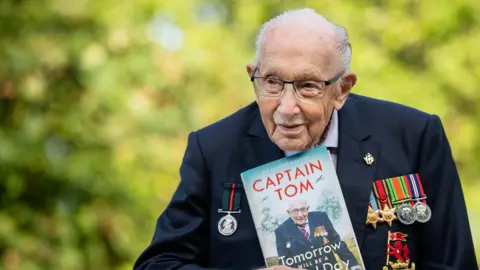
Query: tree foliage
x=97 y=97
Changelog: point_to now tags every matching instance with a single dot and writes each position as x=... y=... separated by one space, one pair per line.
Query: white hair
x=296 y=201
x=307 y=17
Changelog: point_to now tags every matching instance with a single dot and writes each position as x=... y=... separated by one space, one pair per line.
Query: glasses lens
x=310 y=89
x=268 y=86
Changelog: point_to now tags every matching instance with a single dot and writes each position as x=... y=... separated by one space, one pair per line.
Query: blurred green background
x=97 y=99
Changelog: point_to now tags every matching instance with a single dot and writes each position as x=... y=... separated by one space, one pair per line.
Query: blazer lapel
x=355 y=175
x=257 y=148
x=297 y=234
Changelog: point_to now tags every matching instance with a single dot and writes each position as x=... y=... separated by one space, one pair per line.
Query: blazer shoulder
x=388 y=107
x=283 y=227
x=222 y=133
x=388 y=114
x=317 y=215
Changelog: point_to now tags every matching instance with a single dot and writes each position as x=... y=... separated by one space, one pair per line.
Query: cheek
x=267 y=108
x=314 y=111
x=315 y=115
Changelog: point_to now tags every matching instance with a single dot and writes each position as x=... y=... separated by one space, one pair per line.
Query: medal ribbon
x=374 y=202
x=381 y=193
x=231 y=197
x=398 y=190
x=415 y=185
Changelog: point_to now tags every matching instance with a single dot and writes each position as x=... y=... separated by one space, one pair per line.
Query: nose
x=288 y=102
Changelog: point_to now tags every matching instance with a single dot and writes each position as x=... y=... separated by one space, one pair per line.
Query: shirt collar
x=331 y=141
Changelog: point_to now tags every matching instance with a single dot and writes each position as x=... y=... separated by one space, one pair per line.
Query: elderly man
x=297 y=235
x=302 y=80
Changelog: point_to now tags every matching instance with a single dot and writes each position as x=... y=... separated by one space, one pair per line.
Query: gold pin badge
x=369 y=159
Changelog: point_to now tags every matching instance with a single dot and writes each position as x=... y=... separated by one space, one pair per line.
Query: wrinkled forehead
x=300 y=53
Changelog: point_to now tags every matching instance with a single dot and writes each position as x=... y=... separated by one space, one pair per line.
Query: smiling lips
x=290 y=130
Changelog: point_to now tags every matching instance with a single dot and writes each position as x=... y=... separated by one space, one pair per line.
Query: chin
x=291 y=144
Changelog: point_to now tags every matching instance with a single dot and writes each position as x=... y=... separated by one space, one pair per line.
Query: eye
x=310 y=85
x=273 y=81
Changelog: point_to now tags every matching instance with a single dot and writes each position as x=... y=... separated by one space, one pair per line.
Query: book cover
x=300 y=214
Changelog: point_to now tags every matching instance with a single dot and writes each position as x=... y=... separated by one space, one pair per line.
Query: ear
x=348 y=80
x=250 y=68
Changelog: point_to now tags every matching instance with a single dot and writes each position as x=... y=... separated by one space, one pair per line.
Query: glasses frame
x=327 y=83
x=296 y=211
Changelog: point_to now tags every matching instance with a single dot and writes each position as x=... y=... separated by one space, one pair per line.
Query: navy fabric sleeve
x=446 y=239
x=181 y=236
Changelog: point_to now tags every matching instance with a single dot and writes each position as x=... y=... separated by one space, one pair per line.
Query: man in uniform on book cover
x=302 y=81
x=311 y=231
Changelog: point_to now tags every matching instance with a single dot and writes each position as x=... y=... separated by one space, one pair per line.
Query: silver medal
x=227 y=225
x=406 y=214
x=423 y=212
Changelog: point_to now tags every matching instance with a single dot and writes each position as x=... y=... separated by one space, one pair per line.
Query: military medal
x=406 y=214
x=402 y=198
x=388 y=215
x=422 y=210
x=380 y=199
x=398 y=194
x=373 y=212
x=289 y=242
x=372 y=217
x=227 y=225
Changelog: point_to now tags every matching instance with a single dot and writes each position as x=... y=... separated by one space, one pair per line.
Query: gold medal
x=372 y=217
x=388 y=215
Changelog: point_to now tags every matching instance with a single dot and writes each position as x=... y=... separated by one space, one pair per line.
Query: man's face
x=291 y=122
x=227 y=224
x=406 y=213
x=299 y=213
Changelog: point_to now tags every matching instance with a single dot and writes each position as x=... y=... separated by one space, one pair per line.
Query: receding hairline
x=306 y=19
x=297 y=201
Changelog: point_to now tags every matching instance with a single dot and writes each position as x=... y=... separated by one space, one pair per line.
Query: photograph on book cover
x=300 y=214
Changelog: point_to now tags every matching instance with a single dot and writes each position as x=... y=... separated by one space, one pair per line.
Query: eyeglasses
x=273 y=86
x=296 y=210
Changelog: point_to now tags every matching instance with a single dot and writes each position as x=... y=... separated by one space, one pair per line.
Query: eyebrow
x=313 y=76
x=309 y=75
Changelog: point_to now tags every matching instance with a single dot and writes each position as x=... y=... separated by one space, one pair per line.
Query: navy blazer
x=291 y=241
x=401 y=139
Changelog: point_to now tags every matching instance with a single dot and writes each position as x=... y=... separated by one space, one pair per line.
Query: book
x=300 y=214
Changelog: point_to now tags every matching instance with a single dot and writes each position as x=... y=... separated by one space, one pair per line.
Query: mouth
x=290 y=129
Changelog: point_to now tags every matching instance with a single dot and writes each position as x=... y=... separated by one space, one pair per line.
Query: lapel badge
x=399 y=252
x=368 y=159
